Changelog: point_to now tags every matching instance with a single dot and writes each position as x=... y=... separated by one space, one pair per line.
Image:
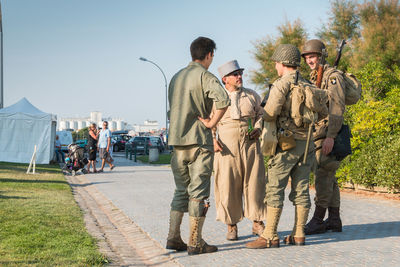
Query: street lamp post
x=166 y=97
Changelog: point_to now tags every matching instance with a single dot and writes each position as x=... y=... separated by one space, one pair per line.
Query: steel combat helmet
x=287 y=54
x=314 y=46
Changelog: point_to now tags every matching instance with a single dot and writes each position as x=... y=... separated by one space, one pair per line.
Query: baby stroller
x=75 y=160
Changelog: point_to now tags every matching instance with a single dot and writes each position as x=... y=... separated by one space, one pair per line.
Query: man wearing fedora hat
x=238 y=164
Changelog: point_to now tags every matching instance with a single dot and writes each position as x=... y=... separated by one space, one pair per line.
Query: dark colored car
x=119 y=142
x=81 y=143
x=158 y=142
x=141 y=144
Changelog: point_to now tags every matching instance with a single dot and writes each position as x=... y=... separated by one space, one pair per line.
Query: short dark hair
x=200 y=48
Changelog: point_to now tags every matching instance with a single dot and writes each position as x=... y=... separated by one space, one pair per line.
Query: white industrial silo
x=119 y=125
x=80 y=124
x=73 y=124
x=112 y=125
x=63 y=125
x=95 y=116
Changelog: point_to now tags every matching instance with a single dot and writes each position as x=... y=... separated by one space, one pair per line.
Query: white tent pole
x=33 y=161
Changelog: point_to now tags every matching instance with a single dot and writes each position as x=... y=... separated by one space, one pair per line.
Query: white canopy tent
x=22 y=126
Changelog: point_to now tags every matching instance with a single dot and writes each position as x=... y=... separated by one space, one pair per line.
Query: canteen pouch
x=268 y=139
x=286 y=140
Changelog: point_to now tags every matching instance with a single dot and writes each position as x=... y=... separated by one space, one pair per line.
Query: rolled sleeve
x=214 y=90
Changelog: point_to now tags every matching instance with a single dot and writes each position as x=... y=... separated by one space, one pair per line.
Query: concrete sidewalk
x=141 y=195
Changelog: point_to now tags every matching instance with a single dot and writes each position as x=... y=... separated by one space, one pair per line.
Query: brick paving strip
x=119 y=238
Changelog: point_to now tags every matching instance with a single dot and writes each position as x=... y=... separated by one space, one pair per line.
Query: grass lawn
x=164 y=159
x=40 y=222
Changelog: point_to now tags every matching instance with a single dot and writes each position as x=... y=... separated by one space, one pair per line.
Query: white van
x=65 y=138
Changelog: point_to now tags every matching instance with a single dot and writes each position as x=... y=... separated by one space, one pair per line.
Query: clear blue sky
x=71 y=57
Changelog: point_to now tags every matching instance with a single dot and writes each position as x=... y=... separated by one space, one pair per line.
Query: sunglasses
x=236 y=73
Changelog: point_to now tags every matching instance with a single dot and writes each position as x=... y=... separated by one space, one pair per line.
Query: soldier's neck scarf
x=235 y=110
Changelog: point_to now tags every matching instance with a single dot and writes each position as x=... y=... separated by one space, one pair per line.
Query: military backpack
x=307 y=102
x=353 y=88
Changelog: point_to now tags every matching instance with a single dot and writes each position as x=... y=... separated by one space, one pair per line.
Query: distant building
x=148 y=126
x=95 y=117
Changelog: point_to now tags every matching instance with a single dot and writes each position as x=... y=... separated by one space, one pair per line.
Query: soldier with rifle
x=287 y=161
x=327 y=129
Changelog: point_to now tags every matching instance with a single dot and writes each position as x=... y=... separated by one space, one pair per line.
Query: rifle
x=320 y=71
x=339 y=53
x=264 y=102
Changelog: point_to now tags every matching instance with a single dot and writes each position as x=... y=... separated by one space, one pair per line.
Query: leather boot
x=334 y=223
x=297 y=236
x=196 y=243
x=232 y=232
x=269 y=238
x=258 y=228
x=174 y=240
x=316 y=225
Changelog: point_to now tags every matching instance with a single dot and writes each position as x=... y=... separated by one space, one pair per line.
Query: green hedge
x=375 y=125
x=376 y=164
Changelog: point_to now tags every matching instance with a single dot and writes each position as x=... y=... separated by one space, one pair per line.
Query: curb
x=119 y=238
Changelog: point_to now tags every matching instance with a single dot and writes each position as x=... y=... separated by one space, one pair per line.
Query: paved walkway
x=142 y=193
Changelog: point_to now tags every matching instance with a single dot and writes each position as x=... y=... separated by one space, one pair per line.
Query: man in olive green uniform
x=239 y=169
x=288 y=159
x=192 y=93
x=327 y=128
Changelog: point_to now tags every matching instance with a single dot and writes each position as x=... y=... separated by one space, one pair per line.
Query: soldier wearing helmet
x=327 y=128
x=286 y=161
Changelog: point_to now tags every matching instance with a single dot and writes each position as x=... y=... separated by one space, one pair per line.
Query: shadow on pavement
x=87 y=184
x=358 y=232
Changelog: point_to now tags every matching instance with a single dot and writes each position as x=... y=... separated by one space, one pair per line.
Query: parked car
x=158 y=142
x=119 y=142
x=82 y=143
x=141 y=144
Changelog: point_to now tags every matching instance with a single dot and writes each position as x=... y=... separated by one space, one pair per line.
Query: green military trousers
x=192 y=167
x=287 y=164
x=326 y=185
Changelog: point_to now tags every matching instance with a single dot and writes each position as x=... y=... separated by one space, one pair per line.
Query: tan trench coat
x=239 y=169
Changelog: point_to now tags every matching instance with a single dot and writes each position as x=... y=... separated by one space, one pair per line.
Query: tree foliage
x=343 y=24
x=289 y=33
x=380 y=31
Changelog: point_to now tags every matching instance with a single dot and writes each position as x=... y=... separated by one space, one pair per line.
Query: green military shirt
x=192 y=92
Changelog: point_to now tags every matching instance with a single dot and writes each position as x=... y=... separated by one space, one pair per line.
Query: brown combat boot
x=232 y=234
x=174 y=240
x=316 y=225
x=261 y=242
x=297 y=236
x=196 y=243
x=269 y=238
x=333 y=223
x=258 y=228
